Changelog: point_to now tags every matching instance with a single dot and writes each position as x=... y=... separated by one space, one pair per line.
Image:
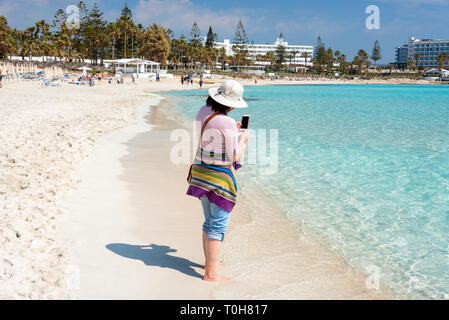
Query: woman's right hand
x=245 y=136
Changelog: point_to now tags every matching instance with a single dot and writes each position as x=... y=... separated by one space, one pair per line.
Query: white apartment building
x=262 y=49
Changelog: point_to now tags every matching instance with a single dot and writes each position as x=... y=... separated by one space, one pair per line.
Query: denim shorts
x=216 y=220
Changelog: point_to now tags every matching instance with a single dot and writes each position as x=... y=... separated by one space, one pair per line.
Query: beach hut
x=140 y=67
x=84 y=70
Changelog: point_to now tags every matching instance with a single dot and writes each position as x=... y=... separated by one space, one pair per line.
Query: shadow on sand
x=155 y=255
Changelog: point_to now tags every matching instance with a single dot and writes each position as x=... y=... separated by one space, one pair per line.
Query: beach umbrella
x=84 y=70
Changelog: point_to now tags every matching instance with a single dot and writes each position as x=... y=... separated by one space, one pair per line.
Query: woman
x=212 y=176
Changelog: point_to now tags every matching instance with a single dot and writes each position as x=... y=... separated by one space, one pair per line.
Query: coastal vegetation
x=96 y=39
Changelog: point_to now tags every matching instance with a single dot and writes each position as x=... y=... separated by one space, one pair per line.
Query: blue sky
x=340 y=23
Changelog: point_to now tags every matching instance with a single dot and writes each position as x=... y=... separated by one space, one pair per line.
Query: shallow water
x=364 y=168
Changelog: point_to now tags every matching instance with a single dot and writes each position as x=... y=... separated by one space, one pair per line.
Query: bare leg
x=212 y=250
x=204 y=243
x=204 y=249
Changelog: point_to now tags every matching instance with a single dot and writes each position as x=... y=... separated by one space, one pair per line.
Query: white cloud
x=180 y=15
x=258 y=22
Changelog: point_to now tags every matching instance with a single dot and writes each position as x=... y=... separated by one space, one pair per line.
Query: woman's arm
x=243 y=139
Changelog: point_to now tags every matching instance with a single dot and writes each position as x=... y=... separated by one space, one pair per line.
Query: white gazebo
x=142 y=68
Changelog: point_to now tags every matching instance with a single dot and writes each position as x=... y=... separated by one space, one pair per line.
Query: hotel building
x=428 y=50
x=262 y=49
x=402 y=57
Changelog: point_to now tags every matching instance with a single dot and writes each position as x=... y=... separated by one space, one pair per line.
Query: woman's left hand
x=239 y=125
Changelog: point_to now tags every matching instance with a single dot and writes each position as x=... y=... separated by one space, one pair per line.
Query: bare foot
x=219 y=265
x=215 y=278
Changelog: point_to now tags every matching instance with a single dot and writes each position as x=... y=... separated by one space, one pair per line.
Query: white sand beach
x=92 y=208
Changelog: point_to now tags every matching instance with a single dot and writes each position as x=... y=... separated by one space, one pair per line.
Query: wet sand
x=136 y=235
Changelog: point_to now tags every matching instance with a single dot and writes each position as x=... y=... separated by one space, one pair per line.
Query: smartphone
x=245 y=122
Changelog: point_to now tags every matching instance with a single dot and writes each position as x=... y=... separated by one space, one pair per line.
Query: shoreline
x=116 y=114
x=254 y=217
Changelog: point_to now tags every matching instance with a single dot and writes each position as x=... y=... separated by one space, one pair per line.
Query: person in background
x=201 y=82
x=1 y=79
x=182 y=80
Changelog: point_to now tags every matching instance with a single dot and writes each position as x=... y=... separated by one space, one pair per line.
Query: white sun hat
x=229 y=94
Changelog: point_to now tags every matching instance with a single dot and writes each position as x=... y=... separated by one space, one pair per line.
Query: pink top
x=212 y=143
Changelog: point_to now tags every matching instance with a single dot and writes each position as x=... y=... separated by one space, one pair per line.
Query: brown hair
x=217 y=107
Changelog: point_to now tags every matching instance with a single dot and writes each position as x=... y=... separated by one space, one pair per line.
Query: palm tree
x=222 y=57
x=306 y=56
x=114 y=35
x=411 y=64
x=329 y=58
x=271 y=58
x=156 y=44
x=342 y=62
x=294 y=54
x=43 y=35
x=417 y=56
x=8 y=44
x=290 y=56
x=177 y=52
x=442 y=58
x=362 y=60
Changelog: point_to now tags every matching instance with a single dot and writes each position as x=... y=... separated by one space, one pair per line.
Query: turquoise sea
x=363 y=167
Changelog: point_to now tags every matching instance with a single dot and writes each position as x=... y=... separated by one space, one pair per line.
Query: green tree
x=177 y=52
x=411 y=64
x=240 y=46
x=96 y=32
x=211 y=38
x=114 y=34
x=318 y=48
x=294 y=53
x=127 y=27
x=442 y=59
x=156 y=44
x=363 y=57
x=305 y=55
x=361 y=60
x=329 y=59
x=417 y=56
x=64 y=37
x=320 y=55
x=195 y=36
x=270 y=57
x=281 y=54
x=222 y=57
x=7 y=41
x=376 y=54
x=343 y=64
x=43 y=36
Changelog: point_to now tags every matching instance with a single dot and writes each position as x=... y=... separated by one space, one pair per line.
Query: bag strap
x=203 y=127
x=207 y=121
